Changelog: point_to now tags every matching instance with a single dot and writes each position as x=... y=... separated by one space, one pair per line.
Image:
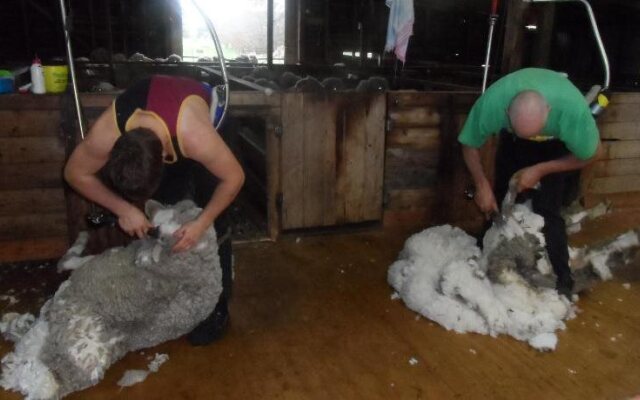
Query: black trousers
x=188 y=179
x=555 y=191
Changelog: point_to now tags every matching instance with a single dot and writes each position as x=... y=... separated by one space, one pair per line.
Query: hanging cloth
x=400 y=27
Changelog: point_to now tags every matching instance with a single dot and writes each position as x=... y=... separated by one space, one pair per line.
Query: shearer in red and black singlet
x=157 y=141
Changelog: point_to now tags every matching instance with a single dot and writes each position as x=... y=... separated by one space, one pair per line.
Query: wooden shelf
x=34 y=249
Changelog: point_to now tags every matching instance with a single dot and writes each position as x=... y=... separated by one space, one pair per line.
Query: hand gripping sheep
x=125 y=299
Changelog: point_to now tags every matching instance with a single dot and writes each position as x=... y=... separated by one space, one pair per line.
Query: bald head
x=528 y=113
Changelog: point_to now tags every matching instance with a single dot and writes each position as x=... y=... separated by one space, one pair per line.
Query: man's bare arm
x=484 y=197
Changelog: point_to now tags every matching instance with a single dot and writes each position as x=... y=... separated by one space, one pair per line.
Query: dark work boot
x=212 y=328
x=564 y=287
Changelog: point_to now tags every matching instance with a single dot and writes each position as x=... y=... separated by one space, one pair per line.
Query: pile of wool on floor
x=506 y=288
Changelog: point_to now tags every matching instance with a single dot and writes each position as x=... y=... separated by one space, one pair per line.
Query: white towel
x=400 y=27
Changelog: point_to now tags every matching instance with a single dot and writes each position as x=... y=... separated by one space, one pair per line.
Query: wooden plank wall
x=331 y=164
x=34 y=220
x=360 y=157
x=32 y=212
x=332 y=150
x=616 y=177
x=425 y=177
x=261 y=152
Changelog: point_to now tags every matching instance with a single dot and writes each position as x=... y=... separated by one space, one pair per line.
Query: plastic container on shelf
x=6 y=81
x=37 y=77
x=56 y=78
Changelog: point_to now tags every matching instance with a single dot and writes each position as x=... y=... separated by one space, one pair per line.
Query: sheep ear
x=151 y=207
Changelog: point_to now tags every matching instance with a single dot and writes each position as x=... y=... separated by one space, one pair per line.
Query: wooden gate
x=332 y=158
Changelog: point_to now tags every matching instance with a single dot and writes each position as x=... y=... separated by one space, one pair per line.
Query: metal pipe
x=493 y=17
x=363 y=55
x=492 y=23
x=72 y=69
x=596 y=32
x=95 y=217
x=270 y=33
x=223 y=67
x=250 y=85
x=603 y=52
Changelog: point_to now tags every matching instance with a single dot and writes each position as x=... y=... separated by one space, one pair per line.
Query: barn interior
x=346 y=151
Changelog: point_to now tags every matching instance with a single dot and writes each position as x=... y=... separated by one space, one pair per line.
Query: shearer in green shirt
x=546 y=132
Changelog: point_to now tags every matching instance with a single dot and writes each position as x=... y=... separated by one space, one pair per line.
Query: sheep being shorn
x=125 y=299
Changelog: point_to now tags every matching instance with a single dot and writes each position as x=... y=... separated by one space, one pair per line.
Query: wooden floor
x=313 y=319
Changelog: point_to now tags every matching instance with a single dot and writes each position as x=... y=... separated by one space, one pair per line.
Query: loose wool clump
x=601 y=259
x=123 y=300
x=134 y=376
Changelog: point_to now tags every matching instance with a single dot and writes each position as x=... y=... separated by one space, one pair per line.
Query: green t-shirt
x=569 y=120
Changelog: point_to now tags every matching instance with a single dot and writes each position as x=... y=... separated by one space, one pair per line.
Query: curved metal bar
x=596 y=32
x=603 y=52
x=223 y=67
x=72 y=69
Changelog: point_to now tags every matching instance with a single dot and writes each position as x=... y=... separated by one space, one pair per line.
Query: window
x=241 y=26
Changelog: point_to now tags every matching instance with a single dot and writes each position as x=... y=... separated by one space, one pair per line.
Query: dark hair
x=135 y=164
